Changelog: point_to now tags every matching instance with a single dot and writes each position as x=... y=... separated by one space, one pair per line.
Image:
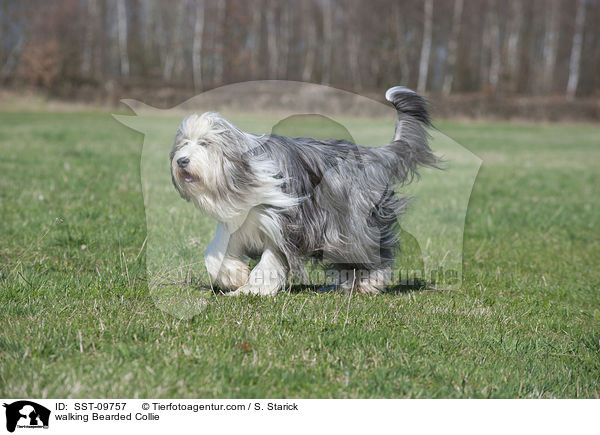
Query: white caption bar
x=149 y=416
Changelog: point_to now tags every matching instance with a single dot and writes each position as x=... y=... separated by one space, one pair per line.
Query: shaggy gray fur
x=349 y=208
x=327 y=199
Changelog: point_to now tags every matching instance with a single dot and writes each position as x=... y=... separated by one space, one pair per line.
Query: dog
x=283 y=200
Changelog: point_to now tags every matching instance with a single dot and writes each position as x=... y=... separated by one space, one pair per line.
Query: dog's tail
x=410 y=143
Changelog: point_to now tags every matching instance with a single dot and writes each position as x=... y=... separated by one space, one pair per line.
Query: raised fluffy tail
x=410 y=143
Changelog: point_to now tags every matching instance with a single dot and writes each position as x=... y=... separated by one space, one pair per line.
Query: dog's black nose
x=182 y=162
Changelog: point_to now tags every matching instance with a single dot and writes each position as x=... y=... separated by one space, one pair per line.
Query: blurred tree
x=197 y=45
x=495 y=46
x=122 y=31
x=309 y=40
x=327 y=8
x=426 y=46
x=272 y=41
x=453 y=47
x=531 y=47
x=219 y=36
x=575 y=61
x=550 y=44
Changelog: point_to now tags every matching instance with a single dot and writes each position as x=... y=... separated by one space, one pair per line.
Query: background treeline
x=446 y=47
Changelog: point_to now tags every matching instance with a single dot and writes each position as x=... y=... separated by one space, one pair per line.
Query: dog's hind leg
x=364 y=281
x=269 y=275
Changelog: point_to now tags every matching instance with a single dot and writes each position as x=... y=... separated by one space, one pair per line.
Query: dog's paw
x=366 y=281
x=234 y=280
x=233 y=293
x=232 y=274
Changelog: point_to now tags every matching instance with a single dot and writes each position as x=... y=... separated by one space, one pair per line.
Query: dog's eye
x=202 y=143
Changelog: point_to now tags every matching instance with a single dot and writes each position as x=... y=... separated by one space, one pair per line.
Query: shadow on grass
x=395 y=289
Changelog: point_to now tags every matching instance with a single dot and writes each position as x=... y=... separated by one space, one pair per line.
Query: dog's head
x=208 y=162
x=202 y=144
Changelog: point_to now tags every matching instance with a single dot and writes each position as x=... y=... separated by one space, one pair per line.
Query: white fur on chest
x=260 y=229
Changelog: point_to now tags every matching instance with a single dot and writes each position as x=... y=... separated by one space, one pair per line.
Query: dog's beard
x=224 y=178
x=186 y=180
x=187 y=176
x=196 y=181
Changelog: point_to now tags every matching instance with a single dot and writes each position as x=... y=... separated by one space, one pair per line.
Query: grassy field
x=79 y=320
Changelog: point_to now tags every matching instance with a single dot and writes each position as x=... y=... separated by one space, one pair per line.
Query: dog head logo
x=434 y=218
x=26 y=414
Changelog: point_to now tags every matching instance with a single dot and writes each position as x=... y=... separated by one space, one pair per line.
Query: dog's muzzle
x=182 y=162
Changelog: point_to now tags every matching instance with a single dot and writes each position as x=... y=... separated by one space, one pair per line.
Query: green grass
x=80 y=320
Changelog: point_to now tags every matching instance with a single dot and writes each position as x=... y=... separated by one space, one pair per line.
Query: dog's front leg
x=223 y=263
x=268 y=276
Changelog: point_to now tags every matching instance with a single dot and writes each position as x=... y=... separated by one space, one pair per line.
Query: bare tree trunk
x=286 y=40
x=425 y=47
x=197 y=45
x=256 y=40
x=311 y=42
x=182 y=30
x=272 y=42
x=495 y=47
x=576 y=51
x=485 y=49
x=155 y=41
x=87 y=54
x=173 y=48
x=161 y=34
x=550 y=44
x=328 y=42
x=168 y=66
x=453 y=47
x=514 y=37
x=220 y=34
x=2 y=26
x=122 y=32
x=353 y=55
x=12 y=59
x=401 y=45
x=146 y=30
